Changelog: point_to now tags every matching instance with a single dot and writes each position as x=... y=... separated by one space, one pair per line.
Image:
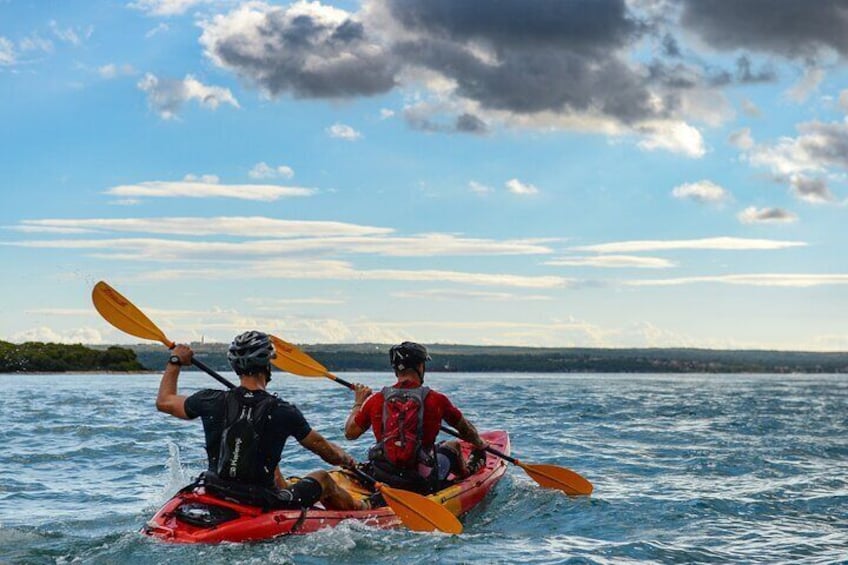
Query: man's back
x=281 y=420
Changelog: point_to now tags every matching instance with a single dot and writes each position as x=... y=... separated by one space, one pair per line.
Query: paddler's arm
x=352 y=429
x=327 y=450
x=168 y=400
x=468 y=432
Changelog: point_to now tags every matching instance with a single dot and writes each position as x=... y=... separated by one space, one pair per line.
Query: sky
x=563 y=173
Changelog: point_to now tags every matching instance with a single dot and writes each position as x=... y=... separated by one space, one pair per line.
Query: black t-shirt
x=284 y=420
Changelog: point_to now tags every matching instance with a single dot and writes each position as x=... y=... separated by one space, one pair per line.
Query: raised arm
x=168 y=400
x=327 y=450
x=361 y=394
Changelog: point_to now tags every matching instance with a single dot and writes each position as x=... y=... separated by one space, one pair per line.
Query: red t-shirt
x=437 y=407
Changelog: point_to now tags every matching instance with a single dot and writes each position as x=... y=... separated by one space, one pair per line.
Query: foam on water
x=716 y=468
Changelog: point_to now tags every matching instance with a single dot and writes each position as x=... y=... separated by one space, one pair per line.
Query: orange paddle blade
x=292 y=360
x=121 y=313
x=559 y=478
x=419 y=513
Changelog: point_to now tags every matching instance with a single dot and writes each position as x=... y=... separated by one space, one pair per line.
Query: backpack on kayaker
x=403 y=427
x=239 y=453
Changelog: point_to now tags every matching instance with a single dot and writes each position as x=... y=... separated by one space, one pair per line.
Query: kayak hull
x=250 y=523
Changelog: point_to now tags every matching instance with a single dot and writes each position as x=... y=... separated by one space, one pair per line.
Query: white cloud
x=264 y=171
x=750 y=109
x=515 y=186
x=35 y=42
x=742 y=139
x=613 y=261
x=843 y=99
x=479 y=188
x=342 y=131
x=112 y=70
x=385 y=113
x=463 y=295
x=162 y=27
x=244 y=226
x=125 y=202
x=47 y=334
x=754 y=215
x=764 y=279
x=7 y=51
x=69 y=35
x=201 y=189
x=713 y=243
x=677 y=137
x=808 y=84
x=165 y=7
x=167 y=96
x=703 y=191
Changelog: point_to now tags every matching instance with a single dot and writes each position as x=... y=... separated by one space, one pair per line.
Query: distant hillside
x=57 y=357
x=373 y=357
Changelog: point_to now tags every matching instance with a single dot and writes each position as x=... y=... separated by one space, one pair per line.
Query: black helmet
x=407 y=355
x=251 y=352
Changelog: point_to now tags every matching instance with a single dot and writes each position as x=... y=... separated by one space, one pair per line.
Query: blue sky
x=643 y=173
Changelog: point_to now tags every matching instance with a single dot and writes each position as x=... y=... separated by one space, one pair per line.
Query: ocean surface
x=686 y=468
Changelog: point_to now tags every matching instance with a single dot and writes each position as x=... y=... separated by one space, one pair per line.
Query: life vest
x=239 y=456
x=403 y=429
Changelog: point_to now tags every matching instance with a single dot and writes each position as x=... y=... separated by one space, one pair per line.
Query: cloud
x=704 y=191
x=342 y=131
x=766 y=279
x=813 y=190
x=443 y=118
x=7 y=51
x=112 y=70
x=677 y=137
x=167 y=96
x=465 y=295
x=754 y=215
x=808 y=84
x=750 y=109
x=843 y=100
x=385 y=113
x=204 y=189
x=165 y=7
x=161 y=27
x=239 y=226
x=613 y=261
x=263 y=171
x=712 y=243
x=307 y=49
x=515 y=186
x=742 y=139
x=47 y=334
x=479 y=188
x=70 y=35
x=783 y=27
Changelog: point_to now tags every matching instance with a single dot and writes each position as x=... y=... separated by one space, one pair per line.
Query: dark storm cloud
x=814 y=189
x=793 y=28
x=302 y=53
x=577 y=25
x=746 y=75
x=424 y=119
x=826 y=143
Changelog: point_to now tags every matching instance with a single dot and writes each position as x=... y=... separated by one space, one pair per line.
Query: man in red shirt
x=406 y=418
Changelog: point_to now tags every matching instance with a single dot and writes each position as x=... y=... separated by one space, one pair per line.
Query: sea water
x=686 y=468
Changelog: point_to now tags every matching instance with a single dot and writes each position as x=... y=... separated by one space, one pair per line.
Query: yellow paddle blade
x=292 y=360
x=419 y=513
x=559 y=478
x=123 y=314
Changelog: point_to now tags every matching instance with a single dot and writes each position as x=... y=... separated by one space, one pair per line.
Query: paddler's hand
x=347 y=461
x=361 y=394
x=184 y=353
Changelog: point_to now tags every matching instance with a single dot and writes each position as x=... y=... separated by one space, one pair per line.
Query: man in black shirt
x=246 y=428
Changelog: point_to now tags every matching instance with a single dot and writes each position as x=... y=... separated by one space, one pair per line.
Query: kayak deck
x=174 y=522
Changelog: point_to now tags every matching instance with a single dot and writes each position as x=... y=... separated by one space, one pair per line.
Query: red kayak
x=197 y=516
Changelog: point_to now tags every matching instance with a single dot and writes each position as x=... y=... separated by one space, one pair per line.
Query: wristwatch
x=175 y=359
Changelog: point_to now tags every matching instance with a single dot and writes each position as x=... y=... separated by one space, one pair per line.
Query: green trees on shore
x=56 y=357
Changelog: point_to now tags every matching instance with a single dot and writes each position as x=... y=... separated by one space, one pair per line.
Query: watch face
x=175 y=360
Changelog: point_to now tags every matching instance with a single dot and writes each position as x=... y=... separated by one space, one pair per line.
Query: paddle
x=416 y=512
x=295 y=361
